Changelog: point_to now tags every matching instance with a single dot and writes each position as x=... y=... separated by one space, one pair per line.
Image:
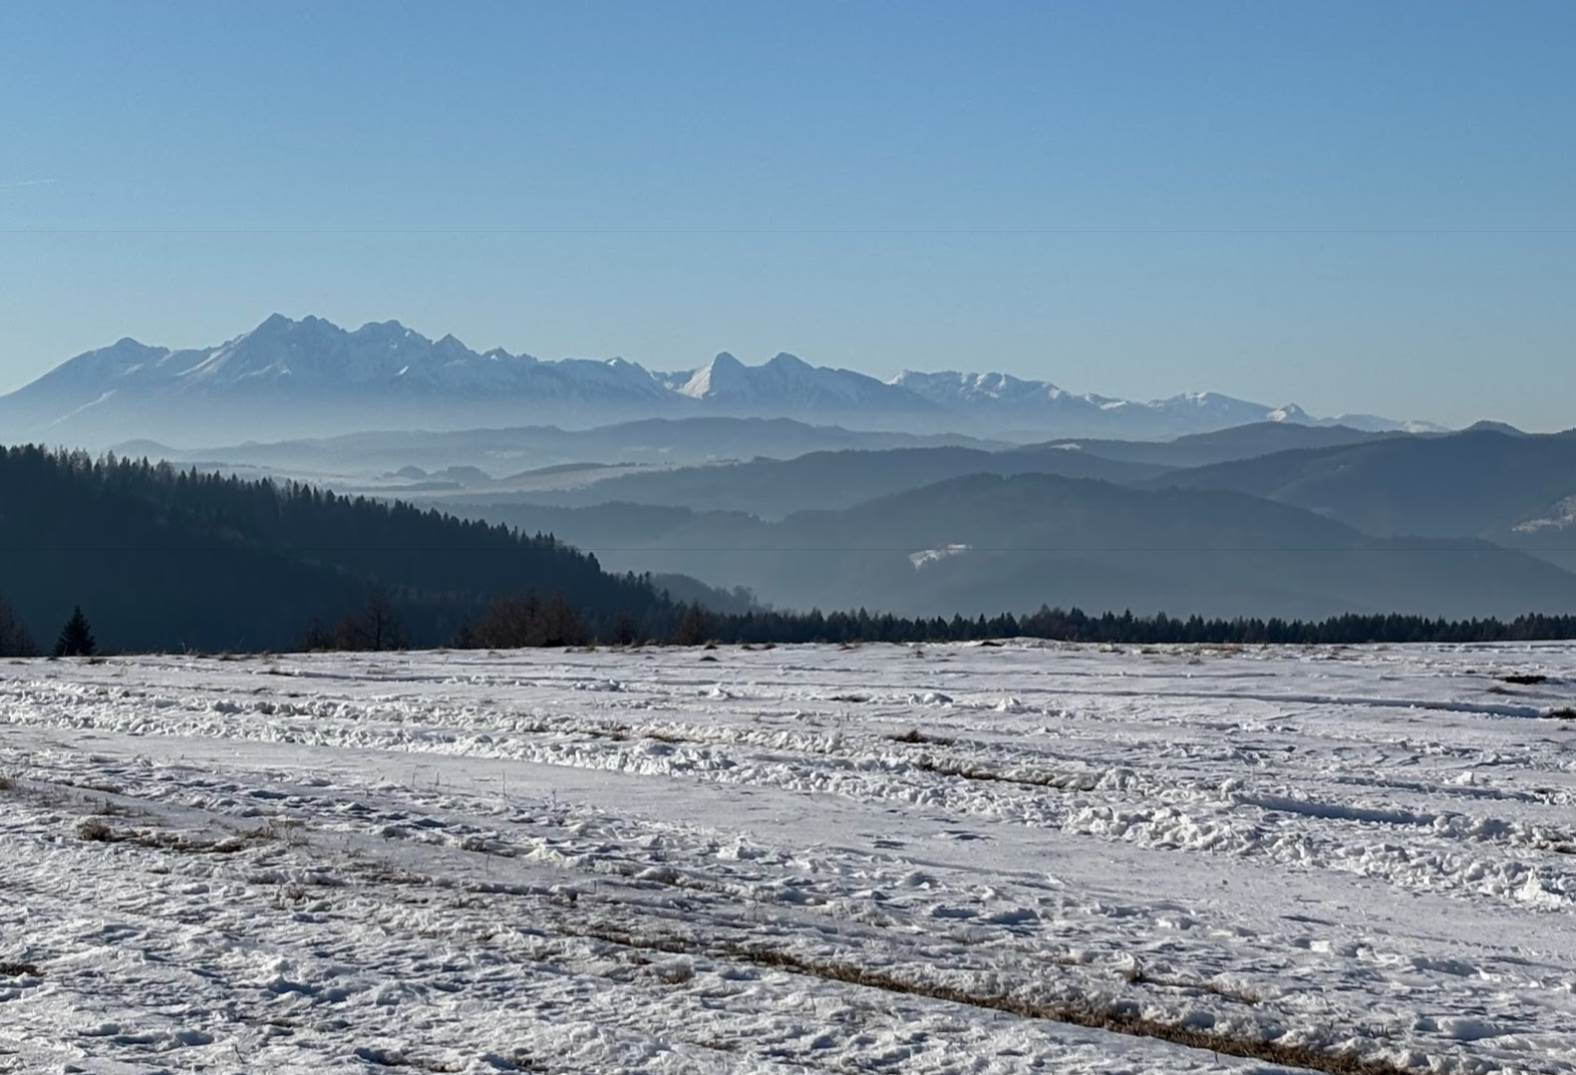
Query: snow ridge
x=316 y=364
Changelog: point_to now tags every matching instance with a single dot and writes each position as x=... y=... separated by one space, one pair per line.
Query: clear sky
x=1352 y=206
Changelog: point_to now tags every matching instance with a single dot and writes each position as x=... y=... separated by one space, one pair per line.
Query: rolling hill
x=165 y=560
x=773 y=488
x=1504 y=486
x=989 y=543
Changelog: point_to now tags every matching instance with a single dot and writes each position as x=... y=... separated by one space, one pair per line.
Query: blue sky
x=1353 y=206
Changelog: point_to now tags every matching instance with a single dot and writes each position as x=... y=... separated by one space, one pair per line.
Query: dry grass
x=96 y=830
x=20 y=970
x=1056 y=781
x=287 y=830
x=914 y=735
x=1109 y=1016
x=678 y=974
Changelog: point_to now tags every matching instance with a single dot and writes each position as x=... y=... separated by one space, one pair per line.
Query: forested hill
x=166 y=559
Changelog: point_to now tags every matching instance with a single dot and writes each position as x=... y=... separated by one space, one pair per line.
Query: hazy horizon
x=1351 y=208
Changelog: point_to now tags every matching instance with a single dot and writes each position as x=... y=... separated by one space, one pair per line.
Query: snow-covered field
x=930 y=859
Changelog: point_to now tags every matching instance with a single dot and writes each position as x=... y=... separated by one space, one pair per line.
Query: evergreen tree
x=76 y=637
x=213 y=562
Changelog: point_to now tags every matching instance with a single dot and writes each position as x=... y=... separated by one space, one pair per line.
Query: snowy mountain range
x=309 y=377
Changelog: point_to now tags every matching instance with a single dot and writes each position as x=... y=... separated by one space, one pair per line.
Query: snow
x=723 y=373
x=925 y=557
x=1562 y=517
x=923 y=859
x=102 y=399
x=786 y=381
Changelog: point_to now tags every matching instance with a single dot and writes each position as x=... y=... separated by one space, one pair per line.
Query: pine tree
x=76 y=637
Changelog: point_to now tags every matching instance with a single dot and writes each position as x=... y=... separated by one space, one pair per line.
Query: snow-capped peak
x=720 y=375
x=1290 y=413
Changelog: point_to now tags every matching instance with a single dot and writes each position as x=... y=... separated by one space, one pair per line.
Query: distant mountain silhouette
x=507 y=451
x=1508 y=487
x=287 y=379
x=775 y=488
x=988 y=543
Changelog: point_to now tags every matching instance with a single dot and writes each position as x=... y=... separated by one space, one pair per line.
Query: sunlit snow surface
x=602 y=861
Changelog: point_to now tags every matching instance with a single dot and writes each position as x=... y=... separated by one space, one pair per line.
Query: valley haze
x=802 y=487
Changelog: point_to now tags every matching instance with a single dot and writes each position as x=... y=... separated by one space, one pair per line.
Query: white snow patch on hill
x=926 y=557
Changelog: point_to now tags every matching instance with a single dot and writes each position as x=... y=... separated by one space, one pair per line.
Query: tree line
x=535 y=620
x=168 y=560
x=532 y=620
x=1125 y=628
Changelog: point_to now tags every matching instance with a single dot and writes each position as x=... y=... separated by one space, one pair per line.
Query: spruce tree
x=76 y=637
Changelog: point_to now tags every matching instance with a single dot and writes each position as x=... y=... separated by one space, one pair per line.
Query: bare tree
x=375 y=626
x=624 y=631
x=509 y=622
x=561 y=624
x=695 y=626
x=526 y=620
x=315 y=637
x=15 y=641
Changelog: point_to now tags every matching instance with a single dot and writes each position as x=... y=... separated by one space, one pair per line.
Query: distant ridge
x=309 y=377
x=979 y=543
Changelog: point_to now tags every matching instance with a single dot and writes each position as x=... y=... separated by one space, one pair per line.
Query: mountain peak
x=277 y=326
x=721 y=374
x=275 y=322
x=1487 y=426
x=1290 y=413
